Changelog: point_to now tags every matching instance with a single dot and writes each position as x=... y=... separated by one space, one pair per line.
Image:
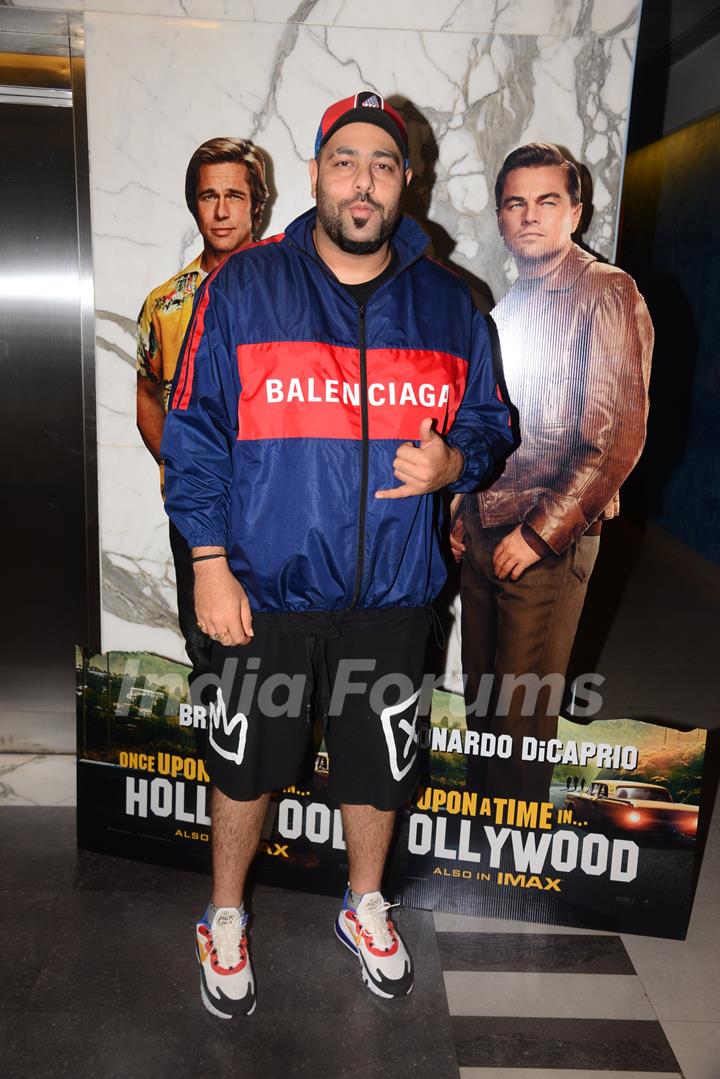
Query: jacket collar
x=409 y=239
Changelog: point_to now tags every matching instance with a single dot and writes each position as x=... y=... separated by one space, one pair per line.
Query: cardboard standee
x=612 y=848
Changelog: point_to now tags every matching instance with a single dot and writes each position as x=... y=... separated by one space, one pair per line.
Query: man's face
x=224 y=207
x=536 y=217
x=358 y=181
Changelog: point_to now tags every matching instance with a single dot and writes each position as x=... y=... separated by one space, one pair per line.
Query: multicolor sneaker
x=385 y=962
x=227 y=985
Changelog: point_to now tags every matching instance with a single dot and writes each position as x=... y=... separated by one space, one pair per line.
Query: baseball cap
x=364 y=107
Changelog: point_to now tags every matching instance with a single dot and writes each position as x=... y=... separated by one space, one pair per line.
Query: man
x=318 y=366
x=225 y=191
x=576 y=341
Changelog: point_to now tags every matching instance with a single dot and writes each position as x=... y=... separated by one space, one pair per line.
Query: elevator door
x=44 y=557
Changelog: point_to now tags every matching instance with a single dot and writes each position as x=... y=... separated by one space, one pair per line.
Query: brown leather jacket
x=576 y=349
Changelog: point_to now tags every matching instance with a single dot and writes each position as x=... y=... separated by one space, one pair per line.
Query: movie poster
x=613 y=846
x=600 y=831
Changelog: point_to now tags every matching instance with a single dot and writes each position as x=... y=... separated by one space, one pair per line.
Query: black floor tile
x=293 y=931
x=118 y=994
x=541 y=953
x=126 y=950
x=8 y=1025
x=595 y=1044
x=265 y=1046
x=135 y=951
x=33 y=920
x=110 y=979
x=38 y=851
x=105 y=873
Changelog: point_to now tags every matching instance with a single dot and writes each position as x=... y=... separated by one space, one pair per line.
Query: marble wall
x=482 y=76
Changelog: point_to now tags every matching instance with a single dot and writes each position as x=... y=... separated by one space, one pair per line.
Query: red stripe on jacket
x=183 y=390
x=310 y=389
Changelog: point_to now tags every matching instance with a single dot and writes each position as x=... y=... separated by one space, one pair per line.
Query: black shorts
x=363 y=675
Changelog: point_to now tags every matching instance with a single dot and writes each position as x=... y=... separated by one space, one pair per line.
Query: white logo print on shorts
x=401 y=737
x=218 y=716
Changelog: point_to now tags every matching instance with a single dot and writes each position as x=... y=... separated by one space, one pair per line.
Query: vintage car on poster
x=647 y=808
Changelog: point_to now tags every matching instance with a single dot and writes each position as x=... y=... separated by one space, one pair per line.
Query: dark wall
x=677 y=74
x=670 y=243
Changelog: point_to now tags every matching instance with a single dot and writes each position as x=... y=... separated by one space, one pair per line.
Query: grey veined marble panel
x=481 y=78
x=561 y=18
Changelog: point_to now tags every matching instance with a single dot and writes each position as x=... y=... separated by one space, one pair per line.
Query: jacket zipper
x=365 y=447
x=364 y=459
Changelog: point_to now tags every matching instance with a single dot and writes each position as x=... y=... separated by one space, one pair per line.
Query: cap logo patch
x=370 y=101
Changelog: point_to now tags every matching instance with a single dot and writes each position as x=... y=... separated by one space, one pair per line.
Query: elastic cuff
x=205 y=539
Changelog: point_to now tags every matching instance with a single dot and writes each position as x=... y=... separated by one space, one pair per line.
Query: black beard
x=331 y=222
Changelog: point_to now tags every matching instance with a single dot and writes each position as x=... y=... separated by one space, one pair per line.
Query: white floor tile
x=37 y=780
x=682 y=977
x=10 y=761
x=542 y=996
x=464 y=923
x=697 y=1048
x=558 y=1073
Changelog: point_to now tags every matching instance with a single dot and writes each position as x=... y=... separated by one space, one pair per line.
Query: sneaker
x=227 y=985
x=385 y=963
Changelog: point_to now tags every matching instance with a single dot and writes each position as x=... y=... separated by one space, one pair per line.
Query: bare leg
x=368 y=832
x=236 y=828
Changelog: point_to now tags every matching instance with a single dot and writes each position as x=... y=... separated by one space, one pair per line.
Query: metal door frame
x=63 y=34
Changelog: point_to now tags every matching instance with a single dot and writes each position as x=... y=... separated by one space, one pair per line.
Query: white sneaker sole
x=215 y=1011
x=363 y=969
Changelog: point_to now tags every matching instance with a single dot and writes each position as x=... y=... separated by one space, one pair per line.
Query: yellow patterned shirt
x=162 y=323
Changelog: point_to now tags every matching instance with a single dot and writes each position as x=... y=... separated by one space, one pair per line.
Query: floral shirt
x=162 y=323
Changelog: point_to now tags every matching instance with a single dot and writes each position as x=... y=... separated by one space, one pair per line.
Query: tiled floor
x=98 y=974
x=107 y=972
x=101 y=980
x=654 y=1006
x=529 y=994
x=627 y=1005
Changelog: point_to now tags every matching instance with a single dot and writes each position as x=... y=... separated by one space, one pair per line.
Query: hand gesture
x=424 y=468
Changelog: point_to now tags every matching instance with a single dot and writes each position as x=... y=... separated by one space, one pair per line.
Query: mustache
x=362 y=197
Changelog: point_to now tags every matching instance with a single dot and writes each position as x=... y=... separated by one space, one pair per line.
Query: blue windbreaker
x=289 y=403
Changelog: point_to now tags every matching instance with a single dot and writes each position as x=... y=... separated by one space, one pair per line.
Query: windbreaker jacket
x=289 y=404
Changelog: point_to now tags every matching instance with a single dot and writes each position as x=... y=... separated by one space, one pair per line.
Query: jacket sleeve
x=482 y=429
x=201 y=426
x=608 y=441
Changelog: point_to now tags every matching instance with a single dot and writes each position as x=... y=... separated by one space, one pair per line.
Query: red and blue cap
x=364 y=107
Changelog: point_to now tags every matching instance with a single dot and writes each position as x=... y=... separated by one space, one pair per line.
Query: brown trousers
x=515 y=628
